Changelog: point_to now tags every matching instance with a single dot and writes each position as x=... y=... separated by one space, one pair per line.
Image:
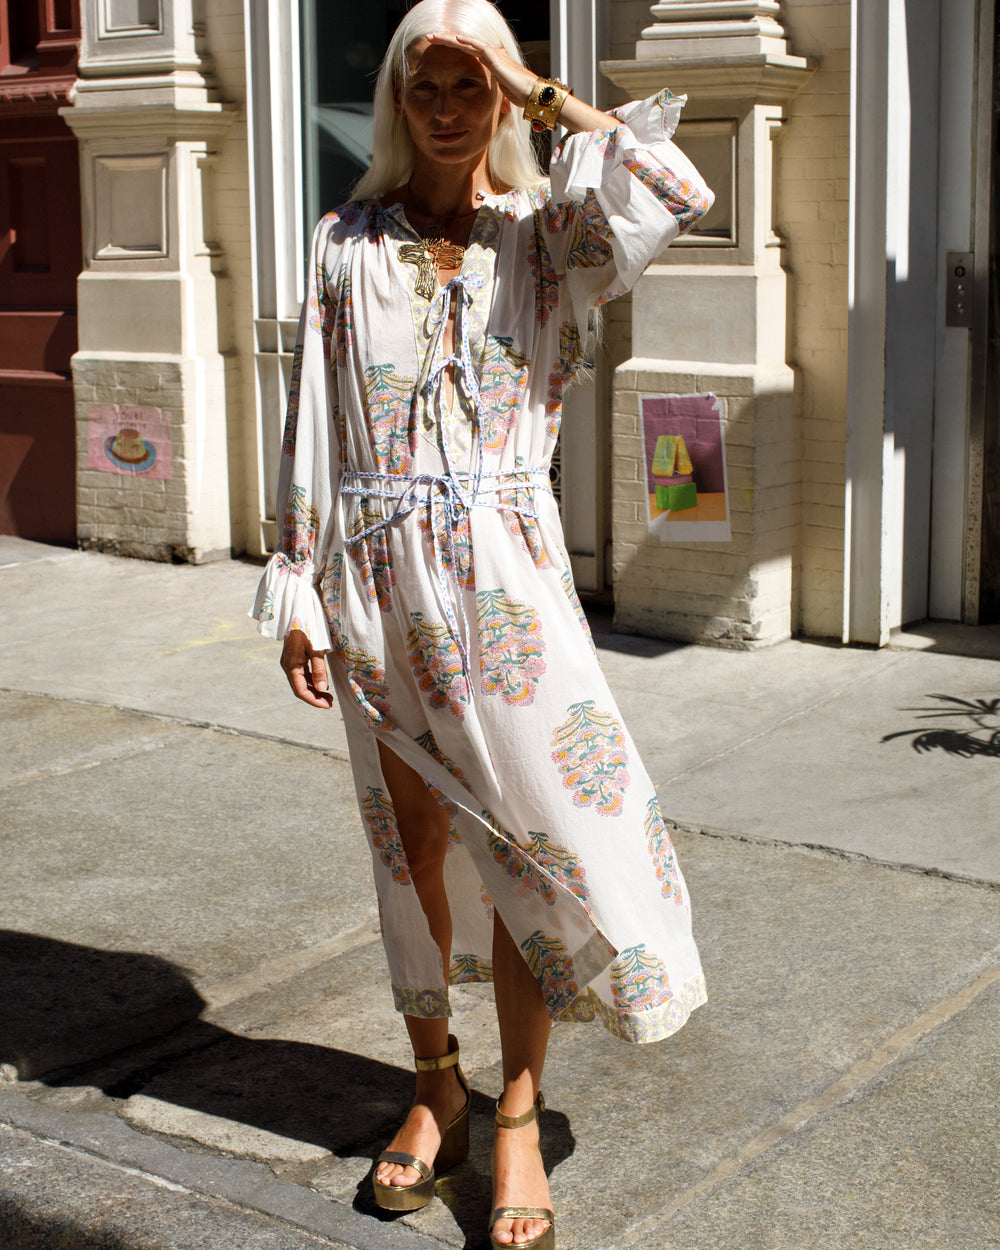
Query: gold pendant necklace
x=435 y=252
x=430 y=255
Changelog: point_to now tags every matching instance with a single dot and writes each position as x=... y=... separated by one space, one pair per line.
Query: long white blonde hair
x=511 y=160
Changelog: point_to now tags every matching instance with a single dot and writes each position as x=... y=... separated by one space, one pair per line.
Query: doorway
x=41 y=255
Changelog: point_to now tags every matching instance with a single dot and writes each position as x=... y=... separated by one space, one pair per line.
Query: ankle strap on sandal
x=519 y=1121
x=441 y=1062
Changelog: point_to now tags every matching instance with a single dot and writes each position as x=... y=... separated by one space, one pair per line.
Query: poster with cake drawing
x=685 y=462
x=135 y=442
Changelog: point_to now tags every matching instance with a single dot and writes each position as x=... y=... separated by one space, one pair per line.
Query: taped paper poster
x=685 y=461
x=135 y=442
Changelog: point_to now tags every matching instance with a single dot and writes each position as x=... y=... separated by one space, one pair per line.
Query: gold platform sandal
x=453 y=1149
x=546 y=1240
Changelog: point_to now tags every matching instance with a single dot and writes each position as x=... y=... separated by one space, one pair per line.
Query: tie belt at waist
x=445 y=496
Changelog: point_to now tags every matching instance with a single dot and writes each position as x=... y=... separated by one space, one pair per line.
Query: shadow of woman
x=129 y=1024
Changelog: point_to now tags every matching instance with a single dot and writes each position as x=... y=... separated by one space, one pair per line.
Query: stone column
x=149 y=375
x=710 y=317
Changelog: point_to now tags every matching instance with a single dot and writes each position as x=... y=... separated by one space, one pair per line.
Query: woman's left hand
x=514 y=79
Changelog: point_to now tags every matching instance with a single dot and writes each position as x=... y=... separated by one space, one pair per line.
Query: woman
x=515 y=834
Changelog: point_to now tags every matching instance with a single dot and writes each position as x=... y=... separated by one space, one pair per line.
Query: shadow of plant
x=979 y=737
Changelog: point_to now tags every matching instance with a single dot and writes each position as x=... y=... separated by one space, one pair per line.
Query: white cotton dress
x=421 y=547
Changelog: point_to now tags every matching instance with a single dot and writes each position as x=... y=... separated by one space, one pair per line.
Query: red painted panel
x=38 y=462
x=37 y=342
x=40 y=249
x=40 y=259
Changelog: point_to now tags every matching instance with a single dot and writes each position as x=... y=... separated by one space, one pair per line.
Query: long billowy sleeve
x=618 y=197
x=287 y=597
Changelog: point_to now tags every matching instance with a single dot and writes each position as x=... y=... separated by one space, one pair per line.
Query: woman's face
x=451 y=104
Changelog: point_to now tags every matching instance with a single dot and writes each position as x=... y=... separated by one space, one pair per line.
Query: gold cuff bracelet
x=545 y=103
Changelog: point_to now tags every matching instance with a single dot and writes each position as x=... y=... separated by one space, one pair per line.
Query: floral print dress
x=421 y=547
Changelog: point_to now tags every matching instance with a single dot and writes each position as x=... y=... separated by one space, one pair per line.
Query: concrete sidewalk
x=197 y=1036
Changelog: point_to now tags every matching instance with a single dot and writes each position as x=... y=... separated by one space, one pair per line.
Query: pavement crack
x=283 y=968
x=842 y=1091
x=185 y=722
x=836 y=853
x=125 y=751
x=767 y=730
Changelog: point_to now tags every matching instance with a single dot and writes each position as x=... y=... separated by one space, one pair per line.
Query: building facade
x=823 y=342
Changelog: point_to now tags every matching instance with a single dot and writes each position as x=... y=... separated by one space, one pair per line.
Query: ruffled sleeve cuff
x=583 y=162
x=287 y=599
x=647 y=189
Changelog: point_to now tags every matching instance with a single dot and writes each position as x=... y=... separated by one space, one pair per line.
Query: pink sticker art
x=134 y=442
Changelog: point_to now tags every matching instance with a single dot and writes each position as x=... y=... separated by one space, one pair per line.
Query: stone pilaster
x=710 y=317
x=150 y=361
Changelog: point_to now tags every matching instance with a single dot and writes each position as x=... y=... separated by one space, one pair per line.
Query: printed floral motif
x=546 y=278
x=510 y=647
x=379 y=816
x=428 y=743
x=662 y=851
x=266 y=610
x=526 y=529
x=343 y=322
x=340 y=429
x=552 y=966
x=684 y=201
x=501 y=387
x=569 y=589
x=650 y=1025
x=292 y=411
x=366 y=678
x=516 y=863
x=370 y=554
x=589 y=242
x=566 y=867
x=437 y=664
x=329 y=595
x=590 y=754
x=390 y=408
x=456 y=556
x=426 y=1004
x=555 y=217
x=469 y=968
x=570 y=355
x=638 y=980
x=298 y=538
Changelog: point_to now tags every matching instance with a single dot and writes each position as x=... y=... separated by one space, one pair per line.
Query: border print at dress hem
x=640 y=1027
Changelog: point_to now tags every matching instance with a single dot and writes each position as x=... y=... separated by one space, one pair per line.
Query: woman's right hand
x=306 y=670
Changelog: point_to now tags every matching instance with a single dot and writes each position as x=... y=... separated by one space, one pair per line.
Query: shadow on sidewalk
x=977 y=737
x=129 y=1023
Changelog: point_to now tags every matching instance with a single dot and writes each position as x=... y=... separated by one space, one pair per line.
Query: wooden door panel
x=39 y=222
x=39 y=342
x=40 y=260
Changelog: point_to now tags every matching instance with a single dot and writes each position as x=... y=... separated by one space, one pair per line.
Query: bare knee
x=422 y=823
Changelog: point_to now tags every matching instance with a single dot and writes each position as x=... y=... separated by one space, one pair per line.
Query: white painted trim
x=579 y=42
x=274 y=108
x=869 y=447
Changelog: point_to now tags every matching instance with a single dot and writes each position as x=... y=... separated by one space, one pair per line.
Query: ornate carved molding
x=717 y=49
x=21 y=97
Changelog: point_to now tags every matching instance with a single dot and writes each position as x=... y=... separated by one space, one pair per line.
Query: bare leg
x=423 y=830
x=519 y=1178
